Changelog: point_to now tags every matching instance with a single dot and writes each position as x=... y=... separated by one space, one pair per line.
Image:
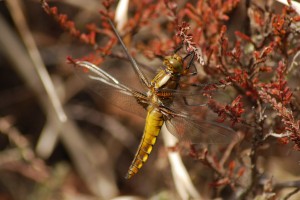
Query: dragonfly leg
x=169 y=113
x=191 y=60
x=190 y=64
x=178 y=48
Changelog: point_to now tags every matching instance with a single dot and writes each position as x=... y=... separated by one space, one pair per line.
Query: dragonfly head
x=174 y=63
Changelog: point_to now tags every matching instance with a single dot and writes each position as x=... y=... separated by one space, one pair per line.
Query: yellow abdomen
x=154 y=122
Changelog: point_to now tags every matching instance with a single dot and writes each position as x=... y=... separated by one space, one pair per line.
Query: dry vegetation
x=60 y=141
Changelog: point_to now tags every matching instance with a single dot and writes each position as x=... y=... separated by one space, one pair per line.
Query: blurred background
x=58 y=140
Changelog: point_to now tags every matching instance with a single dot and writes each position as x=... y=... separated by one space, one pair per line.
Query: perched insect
x=159 y=99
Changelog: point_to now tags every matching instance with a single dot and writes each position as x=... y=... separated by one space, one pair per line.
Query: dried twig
x=182 y=180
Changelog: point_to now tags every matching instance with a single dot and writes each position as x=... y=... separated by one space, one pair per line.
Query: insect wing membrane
x=110 y=89
x=197 y=132
x=187 y=106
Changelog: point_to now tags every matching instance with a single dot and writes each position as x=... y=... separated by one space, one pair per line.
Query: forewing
x=111 y=90
x=199 y=131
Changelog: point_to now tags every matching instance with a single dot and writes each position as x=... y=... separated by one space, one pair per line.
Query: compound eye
x=178 y=58
x=174 y=63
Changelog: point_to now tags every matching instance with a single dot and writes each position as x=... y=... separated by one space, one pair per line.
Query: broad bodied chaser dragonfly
x=158 y=99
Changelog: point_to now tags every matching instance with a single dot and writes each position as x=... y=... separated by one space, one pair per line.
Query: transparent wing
x=111 y=90
x=178 y=123
x=198 y=131
x=186 y=100
x=193 y=102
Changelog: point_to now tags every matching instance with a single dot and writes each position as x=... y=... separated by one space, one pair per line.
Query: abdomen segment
x=154 y=122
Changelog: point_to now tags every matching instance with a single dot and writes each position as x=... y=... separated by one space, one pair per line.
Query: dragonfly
x=158 y=98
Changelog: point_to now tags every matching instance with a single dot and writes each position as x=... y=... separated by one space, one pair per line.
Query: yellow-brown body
x=154 y=122
x=165 y=79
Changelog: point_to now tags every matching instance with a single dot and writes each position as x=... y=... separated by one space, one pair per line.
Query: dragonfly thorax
x=155 y=101
x=173 y=64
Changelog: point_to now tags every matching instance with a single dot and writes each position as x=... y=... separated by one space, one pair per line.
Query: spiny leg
x=178 y=48
x=191 y=63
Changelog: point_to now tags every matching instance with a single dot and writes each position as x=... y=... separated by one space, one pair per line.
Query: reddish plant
x=253 y=65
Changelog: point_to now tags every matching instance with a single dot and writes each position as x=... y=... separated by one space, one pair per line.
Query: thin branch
x=182 y=180
x=257 y=139
x=19 y=20
x=99 y=183
x=291 y=194
x=230 y=147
